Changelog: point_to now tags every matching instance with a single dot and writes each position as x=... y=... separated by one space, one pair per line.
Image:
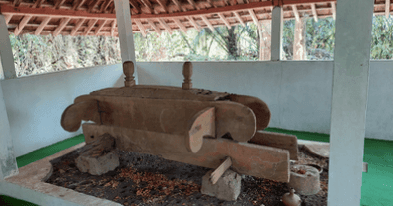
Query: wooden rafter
x=59 y=3
x=77 y=26
x=141 y=27
x=135 y=6
x=38 y=4
x=93 y=5
x=16 y=2
x=148 y=5
x=333 y=9
x=180 y=25
x=7 y=18
x=42 y=26
x=254 y=18
x=102 y=24
x=162 y=4
x=387 y=8
x=210 y=2
x=22 y=24
x=178 y=4
x=151 y=23
x=224 y=20
x=165 y=25
x=296 y=13
x=207 y=22
x=63 y=23
x=193 y=22
x=113 y=26
x=78 y=5
x=314 y=12
x=239 y=18
x=105 y=5
x=193 y=4
x=92 y=23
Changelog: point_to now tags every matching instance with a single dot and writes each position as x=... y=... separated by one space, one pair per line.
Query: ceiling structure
x=97 y=17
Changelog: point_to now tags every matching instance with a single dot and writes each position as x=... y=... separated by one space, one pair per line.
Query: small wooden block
x=217 y=173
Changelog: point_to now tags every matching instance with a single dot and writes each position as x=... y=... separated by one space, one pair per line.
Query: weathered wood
x=217 y=173
x=128 y=70
x=172 y=116
x=75 y=113
x=249 y=159
x=259 y=107
x=202 y=124
x=277 y=140
x=187 y=73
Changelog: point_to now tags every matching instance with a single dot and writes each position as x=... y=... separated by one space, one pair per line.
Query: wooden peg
x=220 y=170
x=187 y=73
x=128 y=70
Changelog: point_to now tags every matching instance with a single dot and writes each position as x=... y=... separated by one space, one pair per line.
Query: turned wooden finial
x=187 y=73
x=128 y=70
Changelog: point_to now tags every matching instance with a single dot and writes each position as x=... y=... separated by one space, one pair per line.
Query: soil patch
x=143 y=179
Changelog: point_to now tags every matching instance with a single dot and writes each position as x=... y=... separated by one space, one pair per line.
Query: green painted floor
x=377 y=183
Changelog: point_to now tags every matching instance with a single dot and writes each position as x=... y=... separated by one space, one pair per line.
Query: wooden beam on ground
x=277 y=140
x=162 y=4
x=8 y=18
x=387 y=8
x=180 y=25
x=295 y=12
x=178 y=4
x=239 y=18
x=98 y=29
x=22 y=24
x=226 y=22
x=42 y=26
x=254 y=18
x=77 y=26
x=61 y=26
x=113 y=26
x=165 y=25
x=58 y=4
x=141 y=27
x=78 y=5
x=193 y=22
x=154 y=26
x=193 y=4
x=92 y=23
x=333 y=9
x=148 y=5
x=207 y=22
x=314 y=12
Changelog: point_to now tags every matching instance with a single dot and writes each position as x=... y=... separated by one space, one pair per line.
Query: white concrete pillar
x=7 y=66
x=277 y=22
x=349 y=101
x=8 y=166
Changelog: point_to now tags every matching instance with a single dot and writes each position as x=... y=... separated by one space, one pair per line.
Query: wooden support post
x=6 y=56
x=299 y=44
x=187 y=73
x=217 y=173
x=128 y=70
x=277 y=22
x=349 y=100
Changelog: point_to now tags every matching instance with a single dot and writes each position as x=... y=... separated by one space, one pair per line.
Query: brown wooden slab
x=259 y=107
x=173 y=116
x=277 y=140
x=74 y=114
x=249 y=159
x=320 y=149
x=203 y=124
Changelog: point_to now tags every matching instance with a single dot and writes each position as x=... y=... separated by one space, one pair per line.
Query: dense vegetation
x=40 y=54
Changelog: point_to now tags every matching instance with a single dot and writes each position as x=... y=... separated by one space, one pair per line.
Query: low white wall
x=298 y=92
x=35 y=103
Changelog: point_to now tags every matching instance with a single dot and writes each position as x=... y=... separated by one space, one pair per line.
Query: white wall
x=35 y=103
x=298 y=92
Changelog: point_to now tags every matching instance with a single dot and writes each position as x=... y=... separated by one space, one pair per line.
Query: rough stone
x=307 y=183
x=227 y=188
x=98 y=157
x=320 y=149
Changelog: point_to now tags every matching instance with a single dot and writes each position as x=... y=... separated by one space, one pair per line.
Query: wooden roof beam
x=42 y=25
x=295 y=12
x=92 y=23
x=135 y=6
x=178 y=4
x=61 y=26
x=148 y=5
x=254 y=18
x=8 y=18
x=239 y=18
x=226 y=22
x=93 y=4
x=113 y=26
x=162 y=4
x=58 y=4
x=103 y=22
x=151 y=23
x=16 y=2
x=193 y=22
x=210 y=2
x=141 y=27
x=314 y=12
x=180 y=25
x=78 y=4
x=38 y=4
x=22 y=24
x=168 y=28
x=387 y=8
x=105 y=5
x=333 y=9
x=207 y=22
x=193 y=4
x=77 y=26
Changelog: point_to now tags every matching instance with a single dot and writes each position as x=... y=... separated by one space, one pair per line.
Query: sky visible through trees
x=41 y=54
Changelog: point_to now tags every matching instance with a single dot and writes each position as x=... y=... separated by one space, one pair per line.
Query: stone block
x=228 y=187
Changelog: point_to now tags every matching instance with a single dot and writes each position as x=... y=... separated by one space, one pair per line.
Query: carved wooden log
x=277 y=140
x=249 y=159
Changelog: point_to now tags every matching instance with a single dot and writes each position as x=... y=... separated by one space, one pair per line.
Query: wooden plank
x=165 y=25
x=92 y=23
x=387 y=8
x=153 y=26
x=98 y=29
x=248 y=159
x=193 y=22
x=217 y=173
x=277 y=140
x=78 y=5
x=61 y=26
x=16 y=2
x=178 y=4
x=42 y=26
x=180 y=25
x=38 y=4
x=226 y=22
x=105 y=5
x=333 y=9
x=136 y=6
x=314 y=12
x=8 y=18
x=93 y=5
x=202 y=124
x=22 y=24
x=207 y=22
x=162 y=4
x=141 y=27
x=259 y=107
x=239 y=18
x=193 y=4
x=148 y=5
x=254 y=18
x=58 y=4
x=172 y=116
x=77 y=26
x=295 y=12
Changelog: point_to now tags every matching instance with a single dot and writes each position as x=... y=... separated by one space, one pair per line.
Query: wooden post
x=277 y=21
x=128 y=70
x=7 y=58
x=349 y=101
x=187 y=73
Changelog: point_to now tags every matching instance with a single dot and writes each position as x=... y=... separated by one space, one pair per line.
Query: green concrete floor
x=377 y=183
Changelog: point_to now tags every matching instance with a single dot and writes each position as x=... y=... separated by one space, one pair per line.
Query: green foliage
x=381 y=43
